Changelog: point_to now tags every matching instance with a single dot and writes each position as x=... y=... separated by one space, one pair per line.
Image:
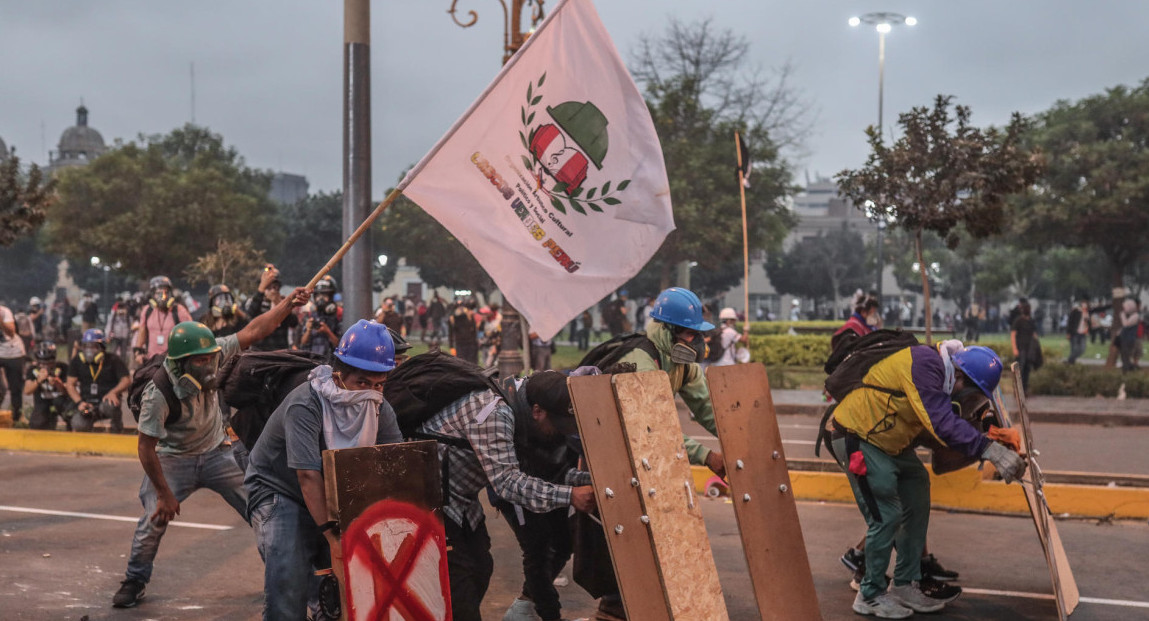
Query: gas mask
x=686 y=353
x=199 y=377
x=324 y=305
x=91 y=354
x=223 y=306
x=162 y=298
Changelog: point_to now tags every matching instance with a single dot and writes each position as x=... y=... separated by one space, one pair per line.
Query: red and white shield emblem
x=395 y=565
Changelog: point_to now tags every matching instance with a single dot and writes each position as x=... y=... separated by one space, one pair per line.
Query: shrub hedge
x=783 y=327
x=783 y=350
x=1078 y=380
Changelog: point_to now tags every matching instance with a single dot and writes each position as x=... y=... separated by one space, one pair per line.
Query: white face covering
x=350 y=417
x=947 y=349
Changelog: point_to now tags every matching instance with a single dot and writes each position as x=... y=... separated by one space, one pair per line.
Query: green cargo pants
x=900 y=487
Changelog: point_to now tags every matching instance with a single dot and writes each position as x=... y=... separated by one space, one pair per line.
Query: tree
x=24 y=199
x=1095 y=190
x=932 y=180
x=824 y=267
x=158 y=204
x=26 y=271
x=231 y=263
x=408 y=231
x=700 y=91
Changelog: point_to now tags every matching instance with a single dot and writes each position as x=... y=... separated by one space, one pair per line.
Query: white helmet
x=727 y=313
x=35 y=301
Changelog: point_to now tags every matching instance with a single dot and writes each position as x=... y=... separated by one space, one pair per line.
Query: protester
x=321 y=330
x=1077 y=328
x=182 y=455
x=89 y=312
x=266 y=296
x=97 y=379
x=118 y=329
x=45 y=381
x=1129 y=336
x=1023 y=339
x=540 y=352
x=158 y=318
x=223 y=315
x=463 y=334
x=875 y=425
x=437 y=312
x=615 y=315
x=12 y=354
x=340 y=406
x=491 y=429
x=388 y=316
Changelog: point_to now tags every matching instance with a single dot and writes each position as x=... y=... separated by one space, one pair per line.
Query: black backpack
x=256 y=382
x=604 y=355
x=153 y=371
x=425 y=384
x=852 y=359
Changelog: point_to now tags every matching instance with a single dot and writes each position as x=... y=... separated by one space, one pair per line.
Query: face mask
x=872 y=320
x=91 y=354
x=682 y=353
x=162 y=296
x=324 y=305
x=223 y=306
x=199 y=377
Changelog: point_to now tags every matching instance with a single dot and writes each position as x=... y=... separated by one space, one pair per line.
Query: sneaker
x=856 y=581
x=522 y=610
x=853 y=559
x=940 y=591
x=130 y=594
x=882 y=606
x=911 y=596
x=932 y=568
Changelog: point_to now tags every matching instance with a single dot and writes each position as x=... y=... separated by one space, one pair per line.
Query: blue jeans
x=215 y=470
x=292 y=549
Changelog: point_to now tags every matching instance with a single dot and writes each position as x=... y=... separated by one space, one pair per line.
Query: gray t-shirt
x=293 y=440
x=200 y=426
x=10 y=347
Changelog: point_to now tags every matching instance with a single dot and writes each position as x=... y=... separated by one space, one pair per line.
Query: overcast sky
x=269 y=73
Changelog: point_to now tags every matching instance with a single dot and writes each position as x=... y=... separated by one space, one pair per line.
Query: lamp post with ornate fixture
x=512 y=329
x=883 y=22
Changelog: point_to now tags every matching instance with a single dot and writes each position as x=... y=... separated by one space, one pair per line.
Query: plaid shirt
x=492 y=462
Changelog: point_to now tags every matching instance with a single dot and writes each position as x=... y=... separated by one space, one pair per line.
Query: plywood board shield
x=1064 y=584
x=619 y=502
x=654 y=437
x=392 y=554
x=761 y=492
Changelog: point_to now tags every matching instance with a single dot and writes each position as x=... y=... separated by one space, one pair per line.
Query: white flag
x=554 y=178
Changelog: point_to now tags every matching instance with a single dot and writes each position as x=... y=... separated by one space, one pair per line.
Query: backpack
x=425 y=384
x=851 y=358
x=604 y=355
x=153 y=371
x=255 y=383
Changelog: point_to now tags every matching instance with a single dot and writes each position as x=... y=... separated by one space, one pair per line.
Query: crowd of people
x=518 y=442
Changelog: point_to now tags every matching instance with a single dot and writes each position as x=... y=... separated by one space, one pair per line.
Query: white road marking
x=113 y=518
x=1085 y=600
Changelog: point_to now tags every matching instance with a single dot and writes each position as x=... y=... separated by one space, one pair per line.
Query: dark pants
x=101 y=410
x=469 y=568
x=583 y=339
x=45 y=413
x=545 y=539
x=14 y=374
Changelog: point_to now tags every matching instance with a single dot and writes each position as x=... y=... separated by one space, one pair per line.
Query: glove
x=1009 y=464
x=1007 y=436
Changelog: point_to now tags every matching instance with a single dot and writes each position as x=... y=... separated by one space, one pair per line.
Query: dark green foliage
x=24 y=199
x=824 y=267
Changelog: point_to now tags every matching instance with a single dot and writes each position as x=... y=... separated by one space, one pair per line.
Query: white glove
x=1008 y=463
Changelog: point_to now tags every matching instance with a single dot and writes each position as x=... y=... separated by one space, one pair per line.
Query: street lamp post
x=882 y=22
x=512 y=329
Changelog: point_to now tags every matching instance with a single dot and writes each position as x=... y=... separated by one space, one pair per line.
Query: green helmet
x=191 y=338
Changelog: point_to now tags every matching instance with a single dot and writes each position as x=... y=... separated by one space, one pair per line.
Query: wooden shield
x=760 y=490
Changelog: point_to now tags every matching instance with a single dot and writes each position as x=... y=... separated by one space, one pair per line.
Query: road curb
x=1062 y=417
x=964 y=490
x=68 y=442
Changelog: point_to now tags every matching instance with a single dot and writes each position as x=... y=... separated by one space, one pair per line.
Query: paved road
x=63 y=567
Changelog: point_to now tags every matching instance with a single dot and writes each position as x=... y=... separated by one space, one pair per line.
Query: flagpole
x=745 y=242
x=366 y=224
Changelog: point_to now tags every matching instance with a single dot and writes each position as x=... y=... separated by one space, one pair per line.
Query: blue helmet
x=367 y=346
x=680 y=307
x=981 y=365
x=93 y=335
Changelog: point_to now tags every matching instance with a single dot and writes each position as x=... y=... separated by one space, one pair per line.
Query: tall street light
x=883 y=22
x=512 y=328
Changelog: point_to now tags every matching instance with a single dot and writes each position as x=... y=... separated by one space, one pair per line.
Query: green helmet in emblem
x=586 y=124
x=191 y=338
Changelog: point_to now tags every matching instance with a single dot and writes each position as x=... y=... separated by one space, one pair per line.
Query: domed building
x=78 y=145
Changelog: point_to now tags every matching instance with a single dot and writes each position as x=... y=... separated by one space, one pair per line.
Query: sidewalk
x=1063 y=410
